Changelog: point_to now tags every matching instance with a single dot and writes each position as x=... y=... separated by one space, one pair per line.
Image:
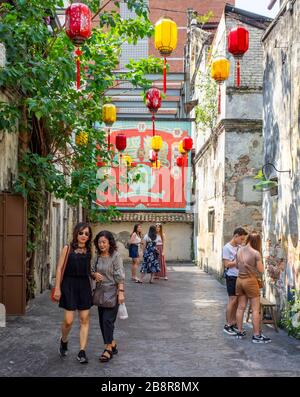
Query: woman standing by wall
x=134 y=250
x=150 y=258
x=249 y=263
x=74 y=291
x=109 y=271
x=160 y=245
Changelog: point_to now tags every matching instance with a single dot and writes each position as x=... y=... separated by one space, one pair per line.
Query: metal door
x=13 y=253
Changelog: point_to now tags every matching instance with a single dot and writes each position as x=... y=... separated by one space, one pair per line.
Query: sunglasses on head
x=84 y=233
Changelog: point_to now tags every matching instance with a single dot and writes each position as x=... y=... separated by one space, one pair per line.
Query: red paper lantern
x=78 y=23
x=78 y=29
x=181 y=161
x=153 y=99
x=153 y=103
x=121 y=142
x=101 y=163
x=238 y=44
x=187 y=143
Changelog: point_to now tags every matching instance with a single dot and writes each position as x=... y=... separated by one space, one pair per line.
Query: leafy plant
x=206 y=111
x=263 y=183
x=290 y=318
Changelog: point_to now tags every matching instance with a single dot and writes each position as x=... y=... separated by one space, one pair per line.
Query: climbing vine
x=206 y=111
x=48 y=109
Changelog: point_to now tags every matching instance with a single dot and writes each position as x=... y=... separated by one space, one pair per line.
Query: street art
x=275 y=265
x=165 y=188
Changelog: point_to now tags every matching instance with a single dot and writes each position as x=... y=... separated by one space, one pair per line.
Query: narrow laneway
x=175 y=328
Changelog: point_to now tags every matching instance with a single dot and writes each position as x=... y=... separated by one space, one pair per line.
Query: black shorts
x=230 y=284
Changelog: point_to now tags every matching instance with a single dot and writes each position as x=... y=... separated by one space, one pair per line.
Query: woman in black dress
x=74 y=290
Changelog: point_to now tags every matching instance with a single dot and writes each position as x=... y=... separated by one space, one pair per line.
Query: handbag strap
x=65 y=263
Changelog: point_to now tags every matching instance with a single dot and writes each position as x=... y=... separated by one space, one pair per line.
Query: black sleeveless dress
x=76 y=291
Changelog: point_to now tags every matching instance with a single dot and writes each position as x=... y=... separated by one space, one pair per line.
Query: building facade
x=282 y=149
x=229 y=144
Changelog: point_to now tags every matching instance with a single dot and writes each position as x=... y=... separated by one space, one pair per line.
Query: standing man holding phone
x=231 y=272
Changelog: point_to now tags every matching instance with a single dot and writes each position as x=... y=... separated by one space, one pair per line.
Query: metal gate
x=13 y=253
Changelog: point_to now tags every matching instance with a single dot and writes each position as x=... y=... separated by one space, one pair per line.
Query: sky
x=258 y=7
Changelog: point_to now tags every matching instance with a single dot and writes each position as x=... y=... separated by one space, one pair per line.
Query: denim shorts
x=231 y=284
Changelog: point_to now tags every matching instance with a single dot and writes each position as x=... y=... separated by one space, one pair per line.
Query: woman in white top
x=134 y=250
x=160 y=245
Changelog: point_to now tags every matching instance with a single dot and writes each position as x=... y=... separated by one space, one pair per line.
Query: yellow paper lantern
x=165 y=41
x=127 y=160
x=180 y=148
x=220 y=69
x=82 y=138
x=109 y=113
x=165 y=37
x=156 y=164
x=156 y=143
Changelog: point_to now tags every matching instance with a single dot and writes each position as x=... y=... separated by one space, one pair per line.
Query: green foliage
x=48 y=110
x=203 y=19
x=290 y=319
x=41 y=71
x=263 y=182
x=206 y=111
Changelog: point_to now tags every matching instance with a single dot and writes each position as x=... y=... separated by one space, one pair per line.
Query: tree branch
x=100 y=9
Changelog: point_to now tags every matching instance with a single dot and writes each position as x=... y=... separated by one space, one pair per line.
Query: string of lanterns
x=238 y=45
x=78 y=28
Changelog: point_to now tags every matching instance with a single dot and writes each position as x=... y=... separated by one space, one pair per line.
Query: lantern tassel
x=78 y=53
x=153 y=124
x=108 y=139
x=238 y=73
x=165 y=75
x=219 y=100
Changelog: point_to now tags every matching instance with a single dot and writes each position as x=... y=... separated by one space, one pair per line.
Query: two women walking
x=73 y=291
x=73 y=287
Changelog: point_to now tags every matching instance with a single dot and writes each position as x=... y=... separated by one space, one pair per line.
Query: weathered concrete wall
x=243 y=156
x=229 y=157
x=282 y=148
x=178 y=238
x=8 y=155
x=210 y=197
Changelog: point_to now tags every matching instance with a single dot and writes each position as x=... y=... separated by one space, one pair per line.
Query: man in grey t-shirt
x=231 y=273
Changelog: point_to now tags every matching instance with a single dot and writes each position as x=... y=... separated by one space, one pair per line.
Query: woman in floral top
x=150 y=258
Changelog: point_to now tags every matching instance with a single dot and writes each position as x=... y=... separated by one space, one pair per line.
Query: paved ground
x=174 y=329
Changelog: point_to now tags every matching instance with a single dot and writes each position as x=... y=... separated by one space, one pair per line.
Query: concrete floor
x=174 y=329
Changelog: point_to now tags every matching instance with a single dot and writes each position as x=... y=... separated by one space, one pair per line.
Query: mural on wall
x=275 y=266
x=164 y=188
x=281 y=264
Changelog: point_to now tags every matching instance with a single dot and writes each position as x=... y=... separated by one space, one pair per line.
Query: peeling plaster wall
x=243 y=156
x=210 y=196
x=228 y=157
x=282 y=148
x=8 y=155
x=178 y=238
